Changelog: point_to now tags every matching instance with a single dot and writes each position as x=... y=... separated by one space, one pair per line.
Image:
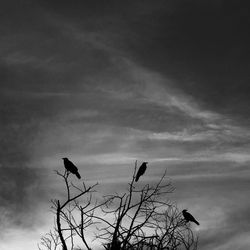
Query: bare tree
x=143 y=218
x=73 y=216
x=140 y=218
x=49 y=241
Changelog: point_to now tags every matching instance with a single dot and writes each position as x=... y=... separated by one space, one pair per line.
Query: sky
x=106 y=83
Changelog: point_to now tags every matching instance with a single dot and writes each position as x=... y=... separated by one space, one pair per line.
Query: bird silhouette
x=141 y=171
x=70 y=167
x=189 y=217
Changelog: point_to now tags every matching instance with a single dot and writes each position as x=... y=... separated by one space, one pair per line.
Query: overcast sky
x=106 y=83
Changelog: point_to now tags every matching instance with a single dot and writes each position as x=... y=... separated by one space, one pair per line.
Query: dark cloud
x=202 y=46
x=20 y=187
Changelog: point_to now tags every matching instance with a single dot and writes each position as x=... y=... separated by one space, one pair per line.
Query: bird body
x=189 y=217
x=70 y=167
x=141 y=171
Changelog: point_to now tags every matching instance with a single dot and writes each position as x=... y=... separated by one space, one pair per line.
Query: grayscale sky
x=106 y=83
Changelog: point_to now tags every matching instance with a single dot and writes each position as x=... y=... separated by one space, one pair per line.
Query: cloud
x=110 y=83
x=156 y=88
x=20 y=187
x=216 y=201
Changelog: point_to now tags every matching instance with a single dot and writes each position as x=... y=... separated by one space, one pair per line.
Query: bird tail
x=137 y=178
x=78 y=175
x=196 y=222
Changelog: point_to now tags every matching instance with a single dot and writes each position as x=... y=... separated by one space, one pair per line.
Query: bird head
x=65 y=158
x=184 y=210
x=145 y=162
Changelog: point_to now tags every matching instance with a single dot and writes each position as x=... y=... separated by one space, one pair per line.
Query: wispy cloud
x=160 y=90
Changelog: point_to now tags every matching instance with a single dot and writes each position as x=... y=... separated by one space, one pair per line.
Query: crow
x=189 y=217
x=70 y=167
x=141 y=171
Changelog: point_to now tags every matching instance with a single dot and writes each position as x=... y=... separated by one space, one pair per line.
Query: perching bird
x=189 y=217
x=141 y=171
x=70 y=167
